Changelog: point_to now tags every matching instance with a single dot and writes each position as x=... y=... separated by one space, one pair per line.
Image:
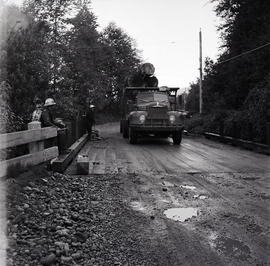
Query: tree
x=82 y=59
x=121 y=59
x=25 y=63
x=56 y=54
x=192 y=101
x=245 y=28
x=56 y=14
x=235 y=87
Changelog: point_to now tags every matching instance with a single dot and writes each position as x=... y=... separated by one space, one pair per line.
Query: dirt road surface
x=205 y=203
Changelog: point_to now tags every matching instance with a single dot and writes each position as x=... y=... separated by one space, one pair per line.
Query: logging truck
x=150 y=111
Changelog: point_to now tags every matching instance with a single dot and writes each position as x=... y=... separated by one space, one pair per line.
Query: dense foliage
x=237 y=84
x=54 y=49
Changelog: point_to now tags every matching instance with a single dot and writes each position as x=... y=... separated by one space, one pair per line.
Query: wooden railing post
x=236 y=130
x=38 y=145
x=84 y=128
x=221 y=128
x=69 y=133
x=76 y=127
x=268 y=127
x=250 y=132
x=62 y=139
x=268 y=133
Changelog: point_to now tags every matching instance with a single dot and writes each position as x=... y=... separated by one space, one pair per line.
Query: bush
x=250 y=121
x=9 y=122
x=199 y=124
x=256 y=106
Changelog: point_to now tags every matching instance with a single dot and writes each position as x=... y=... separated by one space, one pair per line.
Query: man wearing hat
x=36 y=115
x=47 y=119
x=144 y=77
x=90 y=119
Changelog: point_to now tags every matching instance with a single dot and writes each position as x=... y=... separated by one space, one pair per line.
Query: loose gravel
x=73 y=220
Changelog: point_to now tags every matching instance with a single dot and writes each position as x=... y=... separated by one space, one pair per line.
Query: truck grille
x=159 y=113
x=156 y=122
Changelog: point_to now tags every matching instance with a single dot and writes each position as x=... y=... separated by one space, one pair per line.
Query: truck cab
x=150 y=111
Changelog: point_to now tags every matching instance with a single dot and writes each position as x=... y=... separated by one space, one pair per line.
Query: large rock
x=82 y=165
x=48 y=260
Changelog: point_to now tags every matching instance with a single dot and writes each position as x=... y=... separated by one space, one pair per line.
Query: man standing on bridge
x=90 y=119
x=47 y=117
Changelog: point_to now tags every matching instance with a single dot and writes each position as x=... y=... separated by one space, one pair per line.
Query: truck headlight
x=142 y=119
x=172 y=119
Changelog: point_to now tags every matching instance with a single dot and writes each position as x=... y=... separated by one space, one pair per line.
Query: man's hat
x=49 y=102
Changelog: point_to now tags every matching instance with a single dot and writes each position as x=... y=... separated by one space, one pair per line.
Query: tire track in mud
x=177 y=244
x=247 y=233
x=223 y=242
x=221 y=153
x=231 y=227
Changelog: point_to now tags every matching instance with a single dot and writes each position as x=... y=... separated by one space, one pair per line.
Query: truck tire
x=125 y=129
x=132 y=136
x=177 y=138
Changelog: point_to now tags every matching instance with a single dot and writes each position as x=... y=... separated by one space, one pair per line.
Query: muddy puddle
x=200 y=197
x=188 y=187
x=181 y=214
x=167 y=184
x=138 y=206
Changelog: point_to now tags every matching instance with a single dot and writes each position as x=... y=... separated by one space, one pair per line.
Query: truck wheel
x=132 y=136
x=177 y=138
x=125 y=129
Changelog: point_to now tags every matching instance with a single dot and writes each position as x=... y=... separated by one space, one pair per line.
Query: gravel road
x=200 y=203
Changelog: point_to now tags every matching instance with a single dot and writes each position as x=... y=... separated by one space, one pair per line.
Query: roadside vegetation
x=236 y=87
x=53 y=50
x=57 y=50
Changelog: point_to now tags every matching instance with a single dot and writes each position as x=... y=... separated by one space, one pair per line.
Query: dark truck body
x=150 y=111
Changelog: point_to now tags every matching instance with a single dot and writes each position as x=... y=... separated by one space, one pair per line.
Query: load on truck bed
x=150 y=111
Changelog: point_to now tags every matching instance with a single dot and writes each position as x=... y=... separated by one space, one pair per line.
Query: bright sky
x=167 y=33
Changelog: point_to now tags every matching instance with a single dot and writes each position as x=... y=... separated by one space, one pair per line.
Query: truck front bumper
x=152 y=129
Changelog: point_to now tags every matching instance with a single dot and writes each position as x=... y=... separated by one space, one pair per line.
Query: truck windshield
x=144 y=98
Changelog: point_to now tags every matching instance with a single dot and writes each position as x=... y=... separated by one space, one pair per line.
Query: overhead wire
x=247 y=52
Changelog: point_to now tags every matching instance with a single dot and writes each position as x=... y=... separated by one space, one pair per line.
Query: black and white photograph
x=134 y=133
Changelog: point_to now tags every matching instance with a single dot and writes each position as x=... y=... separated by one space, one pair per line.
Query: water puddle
x=167 y=184
x=188 y=187
x=136 y=205
x=165 y=201
x=200 y=197
x=181 y=214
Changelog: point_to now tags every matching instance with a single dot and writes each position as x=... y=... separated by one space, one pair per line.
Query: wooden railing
x=34 y=137
x=239 y=130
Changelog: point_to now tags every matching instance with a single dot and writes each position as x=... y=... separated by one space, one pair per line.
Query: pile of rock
x=78 y=220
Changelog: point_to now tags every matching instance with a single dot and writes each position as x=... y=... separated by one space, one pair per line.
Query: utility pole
x=201 y=76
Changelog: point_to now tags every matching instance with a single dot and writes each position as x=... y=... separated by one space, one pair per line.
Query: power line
x=247 y=52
